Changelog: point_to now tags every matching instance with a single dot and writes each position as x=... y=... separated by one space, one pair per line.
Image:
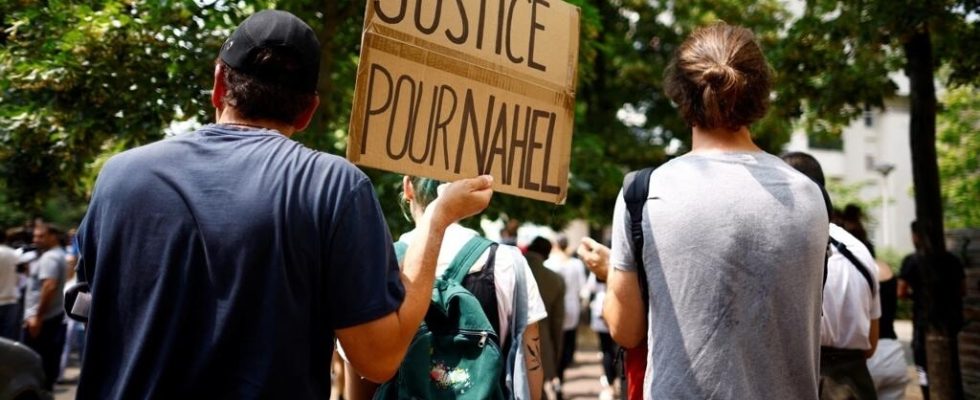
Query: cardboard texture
x=452 y=89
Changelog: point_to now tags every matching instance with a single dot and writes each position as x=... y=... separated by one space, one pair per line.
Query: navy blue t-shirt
x=222 y=261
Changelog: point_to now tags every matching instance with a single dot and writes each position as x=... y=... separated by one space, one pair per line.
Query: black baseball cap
x=280 y=31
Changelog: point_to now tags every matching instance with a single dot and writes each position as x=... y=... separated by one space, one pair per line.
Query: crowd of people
x=232 y=261
x=37 y=264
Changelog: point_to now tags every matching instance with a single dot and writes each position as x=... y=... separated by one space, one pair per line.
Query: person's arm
x=873 y=338
x=532 y=358
x=902 y=288
x=376 y=348
x=623 y=305
x=623 y=301
x=356 y=388
x=49 y=287
x=595 y=256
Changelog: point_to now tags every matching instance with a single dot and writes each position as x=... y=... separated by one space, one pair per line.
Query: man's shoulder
x=52 y=262
x=57 y=254
x=135 y=160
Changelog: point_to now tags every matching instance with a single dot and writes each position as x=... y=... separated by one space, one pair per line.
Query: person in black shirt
x=945 y=310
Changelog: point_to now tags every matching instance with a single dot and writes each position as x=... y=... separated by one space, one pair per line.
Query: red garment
x=636 y=368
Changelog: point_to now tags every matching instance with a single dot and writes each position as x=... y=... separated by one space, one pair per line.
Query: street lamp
x=884 y=169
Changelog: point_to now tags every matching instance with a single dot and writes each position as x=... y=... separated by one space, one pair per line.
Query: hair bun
x=720 y=77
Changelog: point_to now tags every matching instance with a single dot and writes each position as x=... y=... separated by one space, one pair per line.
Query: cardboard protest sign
x=451 y=89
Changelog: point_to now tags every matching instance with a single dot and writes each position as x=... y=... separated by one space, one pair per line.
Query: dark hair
x=562 y=242
x=48 y=228
x=257 y=96
x=719 y=78
x=806 y=164
x=920 y=235
x=426 y=191
x=809 y=166
x=540 y=246
x=851 y=219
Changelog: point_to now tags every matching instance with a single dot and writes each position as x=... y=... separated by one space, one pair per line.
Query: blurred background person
x=596 y=257
x=945 y=308
x=74 y=330
x=887 y=366
x=572 y=270
x=851 y=309
x=552 y=288
x=44 y=326
x=9 y=294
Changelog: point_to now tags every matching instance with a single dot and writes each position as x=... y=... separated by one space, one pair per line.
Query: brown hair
x=269 y=92
x=719 y=78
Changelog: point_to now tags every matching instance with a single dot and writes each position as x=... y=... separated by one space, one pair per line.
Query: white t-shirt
x=598 y=291
x=8 y=275
x=507 y=259
x=573 y=271
x=848 y=305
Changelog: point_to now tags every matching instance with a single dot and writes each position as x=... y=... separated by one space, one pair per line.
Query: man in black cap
x=224 y=262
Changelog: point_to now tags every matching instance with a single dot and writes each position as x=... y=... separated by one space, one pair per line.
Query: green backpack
x=454 y=354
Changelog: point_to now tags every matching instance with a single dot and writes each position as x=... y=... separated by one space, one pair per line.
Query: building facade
x=874 y=154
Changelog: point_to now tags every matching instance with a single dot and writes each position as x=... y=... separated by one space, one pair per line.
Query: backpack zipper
x=484 y=335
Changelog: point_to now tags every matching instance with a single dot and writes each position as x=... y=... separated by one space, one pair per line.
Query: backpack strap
x=842 y=248
x=516 y=368
x=636 y=188
x=466 y=258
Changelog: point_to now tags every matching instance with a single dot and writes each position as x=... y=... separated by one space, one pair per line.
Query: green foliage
x=958 y=146
x=76 y=74
x=82 y=80
x=835 y=62
x=843 y=194
x=836 y=58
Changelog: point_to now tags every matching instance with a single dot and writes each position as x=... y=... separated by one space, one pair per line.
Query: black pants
x=10 y=322
x=844 y=375
x=609 y=350
x=48 y=344
x=567 y=352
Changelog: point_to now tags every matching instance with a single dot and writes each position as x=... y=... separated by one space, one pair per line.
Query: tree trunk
x=942 y=355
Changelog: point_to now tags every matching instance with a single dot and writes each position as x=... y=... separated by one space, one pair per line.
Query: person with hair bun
x=734 y=243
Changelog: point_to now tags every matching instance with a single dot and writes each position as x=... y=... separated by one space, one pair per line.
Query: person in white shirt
x=9 y=323
x=573 y=272
x=851 y=306
x=508 y=260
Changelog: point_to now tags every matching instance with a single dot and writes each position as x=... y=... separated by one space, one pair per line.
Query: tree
x=94 y=77
x=958 y=146
x=844 y=51
x=77 y=78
